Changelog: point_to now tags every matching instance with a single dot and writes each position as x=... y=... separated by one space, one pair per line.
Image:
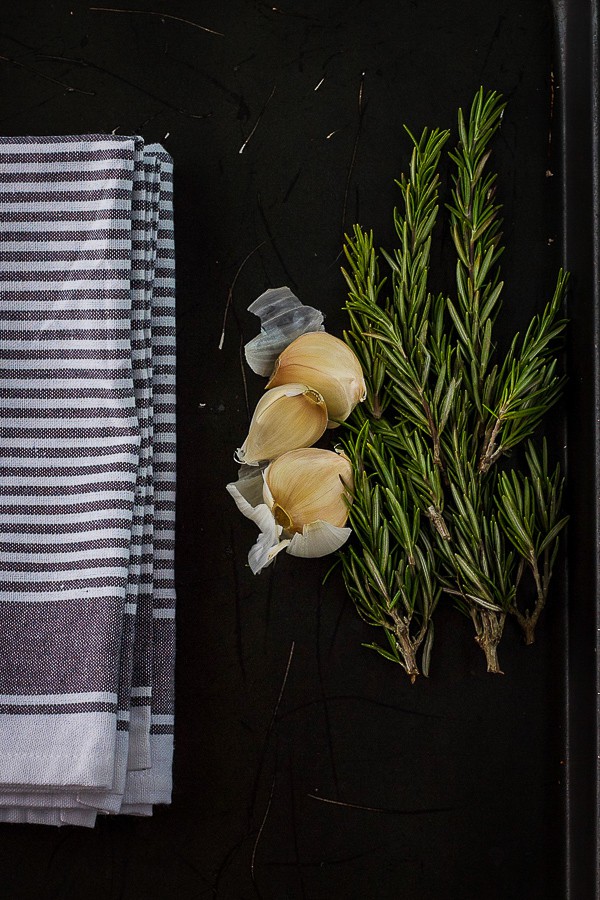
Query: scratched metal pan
x=307 y=767
x=578 y=67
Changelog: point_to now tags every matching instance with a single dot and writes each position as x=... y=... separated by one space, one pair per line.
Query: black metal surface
x=306 y=766
x=579 y=106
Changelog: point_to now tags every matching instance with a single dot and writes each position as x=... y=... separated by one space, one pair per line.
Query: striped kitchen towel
x=87 y=477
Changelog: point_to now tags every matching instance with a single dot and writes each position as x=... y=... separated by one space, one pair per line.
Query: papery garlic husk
x=286 y=418
x=329 y=366
x=247 y=492
x=282 y=318
x=308 y=492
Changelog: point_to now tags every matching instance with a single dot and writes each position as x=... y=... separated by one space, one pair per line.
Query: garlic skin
x=282 y=318
x=300 y=504
x=329 y=366
x=318 y=539
x=247 y=494
x=286 y=418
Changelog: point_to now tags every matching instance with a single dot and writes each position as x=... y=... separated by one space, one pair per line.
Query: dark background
x=306 y=767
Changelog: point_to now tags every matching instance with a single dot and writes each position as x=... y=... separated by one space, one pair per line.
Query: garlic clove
x=304 y=486
x=282 y=318
x=318 y=539
x=329 y=366
x=286 y=418
x=309 y=484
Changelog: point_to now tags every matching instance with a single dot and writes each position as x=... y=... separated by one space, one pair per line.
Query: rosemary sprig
x=393 y=579
x=399 y=326
x=529 y=512
x=390 y=578
x=476 y=568
x=431 y=510
x=475 y=228
x=527 y=383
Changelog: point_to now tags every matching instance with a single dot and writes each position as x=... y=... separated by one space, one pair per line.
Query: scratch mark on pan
x=238 y=618
x=230 y=292
x=336 y=628
x=269 y=729
x=235 y=98
x=260 y=115
x=224 y=864
x=384 y=809
x=294 y=817
x=356 y=698
x=260 y=831
x=28 y=109
x=148 y=12
x=138 y=128
x=330 y=861
x=291 y=281
x=294 y=15
x=320 y=83
x=361 y=110
x=328 y=731
x=69 y=87
x=261 y=763
x=269 y=601
x=549 y=172
x=196 y=869
x=137 y=87
x=492 y=43
x=292 y=185
x=244 y=382
x=283 y=684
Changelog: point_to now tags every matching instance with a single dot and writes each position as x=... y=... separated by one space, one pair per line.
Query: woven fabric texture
x=87 y=477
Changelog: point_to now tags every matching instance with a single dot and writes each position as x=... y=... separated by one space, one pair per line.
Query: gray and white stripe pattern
x=87 y=477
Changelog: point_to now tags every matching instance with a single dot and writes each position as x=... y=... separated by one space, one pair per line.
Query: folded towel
x=87 y=477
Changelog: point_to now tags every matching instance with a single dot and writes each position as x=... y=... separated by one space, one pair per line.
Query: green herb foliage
x=440 y=505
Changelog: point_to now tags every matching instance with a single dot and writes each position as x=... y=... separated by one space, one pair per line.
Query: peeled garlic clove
x=329 y=366
x=286 y=418
x=303 y=487
x=282 y=318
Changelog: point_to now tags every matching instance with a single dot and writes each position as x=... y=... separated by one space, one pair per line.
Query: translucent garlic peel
x=329 y=366
x=244 y=493
x=286 y=418
x=318 y=539
x=262 y=554
x=249 y=484
x=282 y=318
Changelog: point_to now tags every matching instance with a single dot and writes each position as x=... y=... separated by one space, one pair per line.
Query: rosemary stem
x=529 y=620
x=407 y=646
x=491 y=452
x=488 y=632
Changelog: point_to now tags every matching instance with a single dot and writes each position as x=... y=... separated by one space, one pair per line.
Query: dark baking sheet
x=578 y=65
x=306 y=766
